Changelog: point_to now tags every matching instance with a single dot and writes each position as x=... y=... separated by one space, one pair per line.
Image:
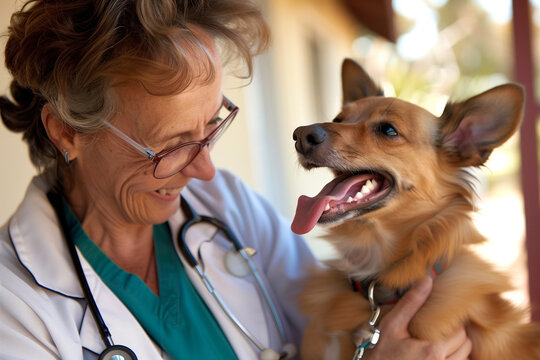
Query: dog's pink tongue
x=308 y=212
x=310 y=209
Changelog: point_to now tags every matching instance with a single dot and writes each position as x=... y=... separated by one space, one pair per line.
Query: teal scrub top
x=178 y=320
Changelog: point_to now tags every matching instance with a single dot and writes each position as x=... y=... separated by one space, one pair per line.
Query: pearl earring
x=66 y=157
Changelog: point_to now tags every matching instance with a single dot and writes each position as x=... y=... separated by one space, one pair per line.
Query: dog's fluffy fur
x=420 y=213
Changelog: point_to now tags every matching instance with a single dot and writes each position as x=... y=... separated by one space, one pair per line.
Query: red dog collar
x=388 y=296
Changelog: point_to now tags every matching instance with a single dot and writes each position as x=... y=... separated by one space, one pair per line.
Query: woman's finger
x=399 y=317
x=459 y=346
x=452 y=343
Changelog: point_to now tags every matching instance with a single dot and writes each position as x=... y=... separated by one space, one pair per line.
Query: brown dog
x=399 y=207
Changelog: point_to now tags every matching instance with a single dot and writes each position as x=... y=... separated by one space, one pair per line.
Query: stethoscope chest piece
x=235 y=264
x=117 y=352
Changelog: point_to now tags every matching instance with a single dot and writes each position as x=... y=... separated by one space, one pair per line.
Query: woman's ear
x=61 y=134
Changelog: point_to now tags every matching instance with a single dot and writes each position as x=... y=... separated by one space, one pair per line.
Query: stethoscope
x=237 y=262
x=112 y=351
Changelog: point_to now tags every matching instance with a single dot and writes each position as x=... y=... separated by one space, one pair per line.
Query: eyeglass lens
x=178 y=159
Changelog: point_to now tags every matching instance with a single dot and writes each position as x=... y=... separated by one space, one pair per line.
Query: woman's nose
x=201 y=167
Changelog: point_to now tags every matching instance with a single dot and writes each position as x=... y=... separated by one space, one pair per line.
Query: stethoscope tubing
x=215 y=294
x=104 y=332
x=266 y=295
x=111 y=351
x=192 y=219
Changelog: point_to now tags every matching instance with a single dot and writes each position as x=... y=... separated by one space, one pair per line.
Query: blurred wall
x=14 y=162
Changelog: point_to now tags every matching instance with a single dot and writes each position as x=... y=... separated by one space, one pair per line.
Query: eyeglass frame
x=156 y=158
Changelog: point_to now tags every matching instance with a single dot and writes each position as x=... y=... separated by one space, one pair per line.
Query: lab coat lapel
x=39 y=243
x=124 y=328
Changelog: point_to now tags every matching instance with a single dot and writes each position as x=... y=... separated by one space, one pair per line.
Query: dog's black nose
x=308 y=137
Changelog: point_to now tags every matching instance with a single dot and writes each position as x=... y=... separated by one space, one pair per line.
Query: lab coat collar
x=38 y=242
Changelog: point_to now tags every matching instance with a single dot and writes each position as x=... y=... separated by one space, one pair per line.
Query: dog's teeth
x=327 y=207
x=350 y=200
x=359 y=195
x=371 y=184
x=365 y=189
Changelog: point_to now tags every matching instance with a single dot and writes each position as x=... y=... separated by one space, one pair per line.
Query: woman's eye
x=387 y=130
x=215 y=122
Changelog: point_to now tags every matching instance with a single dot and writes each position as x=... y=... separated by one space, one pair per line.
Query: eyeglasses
x=173 y=160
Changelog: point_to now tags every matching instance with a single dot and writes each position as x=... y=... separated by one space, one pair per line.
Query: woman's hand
x=397 y=343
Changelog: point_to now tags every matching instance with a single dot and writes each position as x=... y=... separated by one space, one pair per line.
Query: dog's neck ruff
x=388 y=296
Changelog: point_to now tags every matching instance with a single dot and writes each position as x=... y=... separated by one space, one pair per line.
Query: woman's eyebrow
x=179 y=135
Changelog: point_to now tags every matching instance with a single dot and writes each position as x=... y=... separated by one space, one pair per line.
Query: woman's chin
x=157 y=208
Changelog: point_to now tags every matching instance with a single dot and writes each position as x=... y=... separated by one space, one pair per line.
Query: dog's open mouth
x=345 y=197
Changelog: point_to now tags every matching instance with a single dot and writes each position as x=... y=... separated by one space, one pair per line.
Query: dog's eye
x=337 y=120
x=387 y=130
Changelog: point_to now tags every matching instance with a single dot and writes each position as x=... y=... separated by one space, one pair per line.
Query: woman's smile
x=168 y=193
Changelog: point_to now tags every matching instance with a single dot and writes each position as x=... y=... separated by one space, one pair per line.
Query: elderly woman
x=120 y=102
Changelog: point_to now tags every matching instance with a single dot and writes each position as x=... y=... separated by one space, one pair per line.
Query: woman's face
x=114 y=181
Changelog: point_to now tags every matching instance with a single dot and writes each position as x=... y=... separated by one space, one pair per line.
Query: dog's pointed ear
x=356 y=82
x=470 y=130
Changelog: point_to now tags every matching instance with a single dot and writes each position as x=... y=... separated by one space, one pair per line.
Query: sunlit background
x=443 y=50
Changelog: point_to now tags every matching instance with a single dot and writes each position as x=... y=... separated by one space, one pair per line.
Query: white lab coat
x=43 y=314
